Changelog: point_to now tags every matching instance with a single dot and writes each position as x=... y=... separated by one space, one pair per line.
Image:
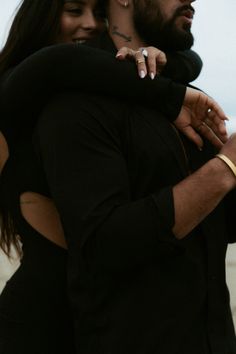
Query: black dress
x=34 y=312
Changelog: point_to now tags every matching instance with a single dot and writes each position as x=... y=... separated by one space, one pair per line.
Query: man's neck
x=124 y=37
x=121 y=28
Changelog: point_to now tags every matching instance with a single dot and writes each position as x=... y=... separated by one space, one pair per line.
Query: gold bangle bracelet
x=228 y=162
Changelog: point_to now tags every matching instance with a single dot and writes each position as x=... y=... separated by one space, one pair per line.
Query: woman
x=34 y=303
x=34 y=312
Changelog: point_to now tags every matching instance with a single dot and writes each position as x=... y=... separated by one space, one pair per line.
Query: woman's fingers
x=140 y=59
x=156 y=61
x=137 y=55
x=149 y=60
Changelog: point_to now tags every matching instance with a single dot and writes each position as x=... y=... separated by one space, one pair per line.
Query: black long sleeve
x=83 y=68
x=183 y=67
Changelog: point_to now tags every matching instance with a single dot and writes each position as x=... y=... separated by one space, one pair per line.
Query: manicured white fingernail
x=152 y=76
x=142 y=74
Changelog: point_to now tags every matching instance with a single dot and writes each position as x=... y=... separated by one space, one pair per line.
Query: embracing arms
x=67 y=67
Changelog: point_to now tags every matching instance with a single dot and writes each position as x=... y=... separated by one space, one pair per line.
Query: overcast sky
x=214 y=29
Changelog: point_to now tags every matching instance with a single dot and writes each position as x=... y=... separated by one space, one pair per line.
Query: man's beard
x=165 y=35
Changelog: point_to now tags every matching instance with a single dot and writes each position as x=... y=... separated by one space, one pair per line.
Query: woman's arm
x=66 y=67
x=57 y=68
x=183 y=67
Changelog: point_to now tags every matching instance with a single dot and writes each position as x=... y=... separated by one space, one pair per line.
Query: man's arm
x=198 y=195
x=66 y=67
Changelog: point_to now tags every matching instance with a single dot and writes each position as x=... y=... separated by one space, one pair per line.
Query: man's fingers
x=205 y=116
x=209 y=134
x=218 y=127
x=217 y=121
x=193 y=136
x=214 y=108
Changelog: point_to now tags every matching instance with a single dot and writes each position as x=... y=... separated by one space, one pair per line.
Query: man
x=147 y=215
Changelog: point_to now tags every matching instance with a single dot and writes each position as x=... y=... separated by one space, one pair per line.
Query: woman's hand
x=202 y=116
x=149 y=60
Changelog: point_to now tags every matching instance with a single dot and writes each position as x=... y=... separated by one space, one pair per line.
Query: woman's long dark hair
x=36 y=25
x=9 y=236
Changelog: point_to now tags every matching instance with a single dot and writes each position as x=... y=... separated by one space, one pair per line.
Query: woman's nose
x=89 y=21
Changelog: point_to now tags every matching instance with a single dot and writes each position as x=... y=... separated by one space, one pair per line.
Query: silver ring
x=144 y=52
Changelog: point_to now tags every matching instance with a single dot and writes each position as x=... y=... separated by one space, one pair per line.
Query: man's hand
x=202 y=116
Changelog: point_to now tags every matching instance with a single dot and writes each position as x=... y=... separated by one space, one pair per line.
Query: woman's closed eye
x=75 y=11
